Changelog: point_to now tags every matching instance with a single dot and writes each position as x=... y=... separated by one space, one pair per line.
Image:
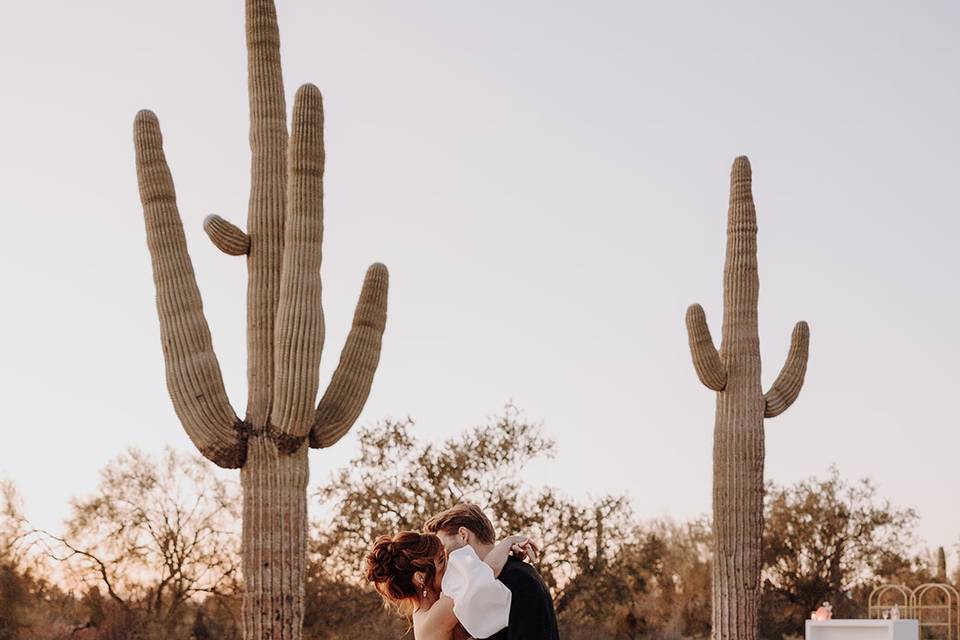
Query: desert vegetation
x=154 y=552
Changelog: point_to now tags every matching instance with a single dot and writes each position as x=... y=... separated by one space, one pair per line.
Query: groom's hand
x=525 y=549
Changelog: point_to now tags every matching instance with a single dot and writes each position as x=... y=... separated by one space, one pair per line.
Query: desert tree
x=32 y=604
x=153 y=536
x=398 y=481
x=656 y=584
x=827 y=539
x=14 y=588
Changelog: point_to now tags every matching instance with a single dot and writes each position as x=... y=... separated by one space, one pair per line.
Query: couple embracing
x=455 y=581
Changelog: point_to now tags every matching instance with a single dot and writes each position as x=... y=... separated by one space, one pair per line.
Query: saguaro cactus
x=738 y=440
x=285 y=329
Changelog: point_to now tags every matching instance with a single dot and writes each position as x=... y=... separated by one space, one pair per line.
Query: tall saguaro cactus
x=738 y=439
x=285 y=330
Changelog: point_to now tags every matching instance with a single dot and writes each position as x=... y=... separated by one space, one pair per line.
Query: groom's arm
x=480 y=602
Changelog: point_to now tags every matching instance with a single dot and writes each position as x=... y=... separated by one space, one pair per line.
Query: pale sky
x=547 y=182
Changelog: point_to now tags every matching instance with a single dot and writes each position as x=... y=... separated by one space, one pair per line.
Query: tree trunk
x=274 y=540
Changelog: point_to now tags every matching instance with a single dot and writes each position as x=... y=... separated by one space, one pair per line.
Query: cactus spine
x=285 y=330
x=738 y=439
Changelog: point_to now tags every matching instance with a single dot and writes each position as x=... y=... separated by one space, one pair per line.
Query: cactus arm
x=193 y=374
x=706 y=359
x=267 y=206
x=787 y=386
x=226 y=236
x=299 y=326
x=344 y=398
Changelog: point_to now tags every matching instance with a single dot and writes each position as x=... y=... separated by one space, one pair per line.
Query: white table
x=863 y=630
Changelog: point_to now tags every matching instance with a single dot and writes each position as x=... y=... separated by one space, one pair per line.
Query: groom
x=526 y=613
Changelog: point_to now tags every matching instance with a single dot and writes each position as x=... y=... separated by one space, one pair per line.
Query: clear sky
x=547 y=182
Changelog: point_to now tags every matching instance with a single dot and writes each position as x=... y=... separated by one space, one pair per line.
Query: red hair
x=394 y=561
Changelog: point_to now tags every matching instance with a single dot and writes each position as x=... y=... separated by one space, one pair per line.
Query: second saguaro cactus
x=738 y=437
x=285 y=330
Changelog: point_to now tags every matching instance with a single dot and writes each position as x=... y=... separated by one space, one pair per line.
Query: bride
x=407 y=570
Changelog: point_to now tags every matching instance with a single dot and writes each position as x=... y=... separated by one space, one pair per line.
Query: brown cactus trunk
x=738 y=437
x=737 y=521
x=738 y=431
x=274 y=540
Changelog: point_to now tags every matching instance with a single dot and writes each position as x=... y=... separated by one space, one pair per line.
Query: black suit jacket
x=531 y=608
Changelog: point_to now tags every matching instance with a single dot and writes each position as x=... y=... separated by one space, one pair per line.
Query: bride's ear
x=419 y=580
